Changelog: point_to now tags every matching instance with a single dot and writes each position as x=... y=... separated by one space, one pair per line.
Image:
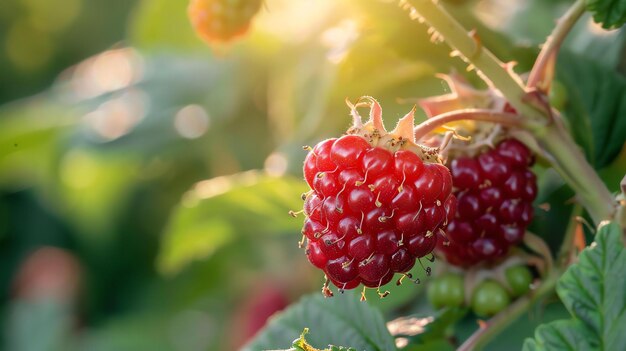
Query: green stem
x=547 y=57
x=508 y=119
x=468 y=46
x=559 y=147
x=502 y=320
x=569 y=161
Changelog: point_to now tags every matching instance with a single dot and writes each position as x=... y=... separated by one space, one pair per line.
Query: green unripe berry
x=446 y=291
x=489 y=298
x=519 y=279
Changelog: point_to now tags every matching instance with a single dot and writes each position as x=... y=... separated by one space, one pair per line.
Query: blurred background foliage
x=145 y=178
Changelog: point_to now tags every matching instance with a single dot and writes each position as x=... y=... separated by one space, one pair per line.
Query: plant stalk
x=558 y=145
x=468 y=46
x=507 y=119
x=570 y=162
x=547 y=57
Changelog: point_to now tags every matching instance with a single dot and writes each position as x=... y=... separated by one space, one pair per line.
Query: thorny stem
x=547 y=57
x=468 y=46
x=559 y=147
x=508 y=119
x=503 y=319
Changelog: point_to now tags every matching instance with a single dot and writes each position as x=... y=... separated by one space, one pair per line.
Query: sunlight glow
x=216 y=186
x=297 y=20
x=338 y=39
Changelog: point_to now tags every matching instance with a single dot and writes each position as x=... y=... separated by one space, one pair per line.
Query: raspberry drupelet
x=377 y=203
x=495 y=190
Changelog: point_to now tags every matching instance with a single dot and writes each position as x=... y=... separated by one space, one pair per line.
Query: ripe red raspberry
x=377 y=202
x=494 y=191
x=221 y=20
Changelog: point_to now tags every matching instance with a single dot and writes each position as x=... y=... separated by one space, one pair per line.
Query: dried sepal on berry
x=377 y=201
x=461 y=96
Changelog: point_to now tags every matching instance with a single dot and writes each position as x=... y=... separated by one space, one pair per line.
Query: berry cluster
x=486 y=297
x=495 y=191
x=375 y=207
x=222 y=20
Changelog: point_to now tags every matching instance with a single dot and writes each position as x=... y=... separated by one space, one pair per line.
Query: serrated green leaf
x=561 y=335
x=593 y=292
x=340 y=320
x=594 y=288
x=218 y=210
x=609 y=13
x=595 y=107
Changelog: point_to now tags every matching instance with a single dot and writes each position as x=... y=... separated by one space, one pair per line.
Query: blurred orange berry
x=221 y=21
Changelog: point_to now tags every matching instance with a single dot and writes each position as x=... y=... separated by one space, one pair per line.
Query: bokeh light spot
x=107 y=72
x=117 y=117
x=276 y=164
x=191 y=121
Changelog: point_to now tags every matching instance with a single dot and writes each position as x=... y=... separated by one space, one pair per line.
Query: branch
x=543 y=69
x=565 y=156
x=508 y=119
x=468 y=46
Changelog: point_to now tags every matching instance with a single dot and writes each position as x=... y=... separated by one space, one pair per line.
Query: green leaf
x=609 y=13
x=594 y=288
x=30 y=136
x=560 y=335
x=593 y=291
x=340 y=320
x=433 y=345
x=218 y=210
x=603 y=47
x=595 y=107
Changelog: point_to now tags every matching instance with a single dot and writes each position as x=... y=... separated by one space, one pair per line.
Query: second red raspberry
x=495 y=191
